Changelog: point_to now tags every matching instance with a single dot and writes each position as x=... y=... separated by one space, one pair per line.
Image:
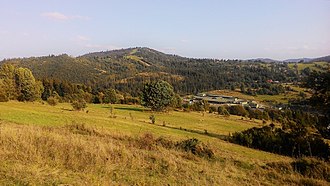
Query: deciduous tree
x=157 y=95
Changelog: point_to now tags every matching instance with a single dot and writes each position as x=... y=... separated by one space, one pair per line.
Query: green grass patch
x=312 y=66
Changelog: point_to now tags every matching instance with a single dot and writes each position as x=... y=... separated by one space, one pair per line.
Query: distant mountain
x=298 y=60
x=325 y=58
x=266 y=60
x=307 y=60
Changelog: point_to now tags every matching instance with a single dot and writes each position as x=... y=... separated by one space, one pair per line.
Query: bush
x=197 y=106
x=223 y=111
x=312 y=168
x=237 y=110
x=212 y=109
x=79 y=105
x=3 y=98
x=308 y=167
x=196 y=147
x=147 y=141
x=166 y=143
x=52 y=101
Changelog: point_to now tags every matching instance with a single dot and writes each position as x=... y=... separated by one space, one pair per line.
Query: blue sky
x=223 y=29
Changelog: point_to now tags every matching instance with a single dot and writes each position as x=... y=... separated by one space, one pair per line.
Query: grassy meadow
x=313 y=66
x=53 y=145
x=265 y=99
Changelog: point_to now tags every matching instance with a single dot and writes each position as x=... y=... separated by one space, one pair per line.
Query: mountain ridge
x=139 y=50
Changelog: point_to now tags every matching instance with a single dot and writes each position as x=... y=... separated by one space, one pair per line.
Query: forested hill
x=325 y=58
x=62 y=67
x=127 y=69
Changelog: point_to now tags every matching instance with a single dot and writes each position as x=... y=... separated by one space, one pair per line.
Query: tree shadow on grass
x=205 y=132
x=128 y=108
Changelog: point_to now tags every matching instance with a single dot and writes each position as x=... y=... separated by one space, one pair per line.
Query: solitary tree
x=79 y=104
x=157 y=95
x=110 y=96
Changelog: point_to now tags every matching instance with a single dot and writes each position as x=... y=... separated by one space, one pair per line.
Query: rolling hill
x=128 y=69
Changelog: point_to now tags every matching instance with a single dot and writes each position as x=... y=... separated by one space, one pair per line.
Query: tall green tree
x=3 y=95
x=7 y=75
x=320 y=83
x=27 y=87
x=110 y=96
x=157 y=95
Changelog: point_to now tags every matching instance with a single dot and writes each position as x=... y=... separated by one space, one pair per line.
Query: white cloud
x=61 y=17
x=55 y=16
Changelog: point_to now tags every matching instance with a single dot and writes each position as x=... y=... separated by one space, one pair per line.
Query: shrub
x=79 y=105
x=223 y=111
x=196 y=147
x=237 y=110
x=52 y=101
x=197 y=106
x=312 y=168
x=3 y=98
x=308 y=167
x=166 y=143
x=147 y=141
x=212 y=109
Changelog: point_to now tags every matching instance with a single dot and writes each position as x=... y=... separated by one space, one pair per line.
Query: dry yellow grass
x=84 y=155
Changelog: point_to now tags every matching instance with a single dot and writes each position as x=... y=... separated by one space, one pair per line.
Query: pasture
x=42 y=144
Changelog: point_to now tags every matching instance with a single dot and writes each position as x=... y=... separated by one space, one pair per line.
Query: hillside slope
x=41 y=144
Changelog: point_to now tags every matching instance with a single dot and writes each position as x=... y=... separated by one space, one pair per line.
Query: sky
x=222 y=29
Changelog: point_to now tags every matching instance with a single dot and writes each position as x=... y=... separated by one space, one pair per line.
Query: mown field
x=45 y=145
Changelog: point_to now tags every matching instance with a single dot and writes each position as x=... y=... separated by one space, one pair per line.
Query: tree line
x=17 y=83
